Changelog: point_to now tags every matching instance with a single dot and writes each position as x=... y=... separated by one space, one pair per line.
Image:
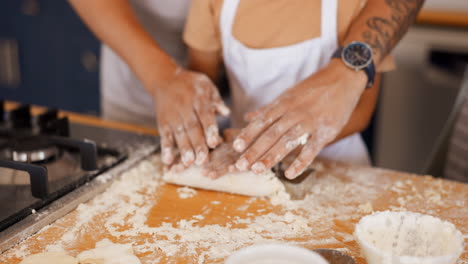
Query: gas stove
x=49 y=165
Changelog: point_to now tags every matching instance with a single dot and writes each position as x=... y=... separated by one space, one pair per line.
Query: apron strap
x=329 y=23
x=228 y=14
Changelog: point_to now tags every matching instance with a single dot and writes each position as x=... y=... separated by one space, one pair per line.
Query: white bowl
x=408 y=238
x=275 y=254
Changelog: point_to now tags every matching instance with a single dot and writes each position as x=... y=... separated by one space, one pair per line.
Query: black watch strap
x=369 y=70
x=337 y=53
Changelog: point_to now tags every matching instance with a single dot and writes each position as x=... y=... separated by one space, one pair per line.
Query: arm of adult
x=315 y=111
x=186 y=102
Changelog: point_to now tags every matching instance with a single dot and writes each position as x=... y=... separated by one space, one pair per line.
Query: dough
x=244 y=183
x=107 y=252
x=49 y=257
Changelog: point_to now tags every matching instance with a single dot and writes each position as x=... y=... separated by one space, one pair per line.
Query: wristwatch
x=358 y=56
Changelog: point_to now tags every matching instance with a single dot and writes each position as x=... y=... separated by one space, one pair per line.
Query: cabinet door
x=47 y=56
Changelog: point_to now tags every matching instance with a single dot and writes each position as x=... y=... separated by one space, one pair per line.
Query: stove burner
x=35 y=156
x=33 y=149
x=57 y=162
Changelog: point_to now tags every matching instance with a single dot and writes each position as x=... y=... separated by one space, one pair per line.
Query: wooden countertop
x=91 y=120
x=342 y=196
x=443 y=18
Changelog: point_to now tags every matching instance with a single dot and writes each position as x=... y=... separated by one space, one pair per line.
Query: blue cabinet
x=48 y=56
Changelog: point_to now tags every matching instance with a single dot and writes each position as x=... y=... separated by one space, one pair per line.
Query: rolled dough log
x=243 y=183
x=107 y=252
x=49 y=257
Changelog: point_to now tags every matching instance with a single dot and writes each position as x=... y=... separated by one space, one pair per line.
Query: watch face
x=357 y=55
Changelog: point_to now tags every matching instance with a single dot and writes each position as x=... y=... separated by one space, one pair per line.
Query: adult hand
x=185 y=108
x=310 y=115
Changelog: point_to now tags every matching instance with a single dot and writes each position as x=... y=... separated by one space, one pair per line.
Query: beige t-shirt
x=265 y=24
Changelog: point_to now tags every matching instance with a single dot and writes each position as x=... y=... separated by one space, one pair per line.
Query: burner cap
x=32 y=149
x=38 y=155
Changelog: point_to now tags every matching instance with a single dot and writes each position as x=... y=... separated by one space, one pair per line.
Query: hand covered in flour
x=185 y=108
x=309 y=115
x=222 y=161
x=223 y=158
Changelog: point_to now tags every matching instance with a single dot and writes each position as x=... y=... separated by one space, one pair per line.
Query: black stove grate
x=79 y=161
x=37 y=175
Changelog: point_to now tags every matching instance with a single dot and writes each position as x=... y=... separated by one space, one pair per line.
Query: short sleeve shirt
x=265 y=24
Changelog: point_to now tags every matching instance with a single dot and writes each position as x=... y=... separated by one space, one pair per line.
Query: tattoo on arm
x=384 y=33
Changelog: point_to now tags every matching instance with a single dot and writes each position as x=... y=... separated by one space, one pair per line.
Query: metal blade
x=299 y=187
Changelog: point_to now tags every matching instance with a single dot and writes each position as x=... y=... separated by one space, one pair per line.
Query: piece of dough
x=107 y=252
x=49 y=257
x=244 y=183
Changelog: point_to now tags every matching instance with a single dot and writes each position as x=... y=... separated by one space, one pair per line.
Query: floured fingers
x=207 y=119
x=263 y=144
x=167 y=144
x=289 y=142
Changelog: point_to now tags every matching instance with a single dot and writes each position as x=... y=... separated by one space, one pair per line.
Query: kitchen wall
x=47 y=56
x=446 y=5
x=417 y=98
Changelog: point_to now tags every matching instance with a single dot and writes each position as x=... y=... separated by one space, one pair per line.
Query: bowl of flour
x=275 y=254
x=408 y=238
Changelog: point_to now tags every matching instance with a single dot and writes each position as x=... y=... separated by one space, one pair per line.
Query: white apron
x=258 y=76
x=123 y=97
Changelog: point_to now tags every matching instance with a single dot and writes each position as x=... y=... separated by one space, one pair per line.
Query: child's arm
x=201 y=35
x=206 y=62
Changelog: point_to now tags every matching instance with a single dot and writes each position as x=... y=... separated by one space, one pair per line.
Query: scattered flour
x=344 y=250
x=408 y=193
x=366 y=208
x=300 y=141
x=198 y=217
x=243 y=207
x=186 y=192
x=122 y=212
x=345 y=237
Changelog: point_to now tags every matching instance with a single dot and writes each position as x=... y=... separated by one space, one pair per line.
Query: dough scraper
x=299 y=187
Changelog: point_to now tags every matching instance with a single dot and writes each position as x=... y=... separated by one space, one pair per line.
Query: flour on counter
x=366 y=208
x=130 y=195
x=122 y=212
x=345 y=237
x=198 y=217
x=186 y=192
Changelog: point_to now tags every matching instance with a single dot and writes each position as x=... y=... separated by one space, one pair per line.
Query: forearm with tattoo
x=382 y=24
